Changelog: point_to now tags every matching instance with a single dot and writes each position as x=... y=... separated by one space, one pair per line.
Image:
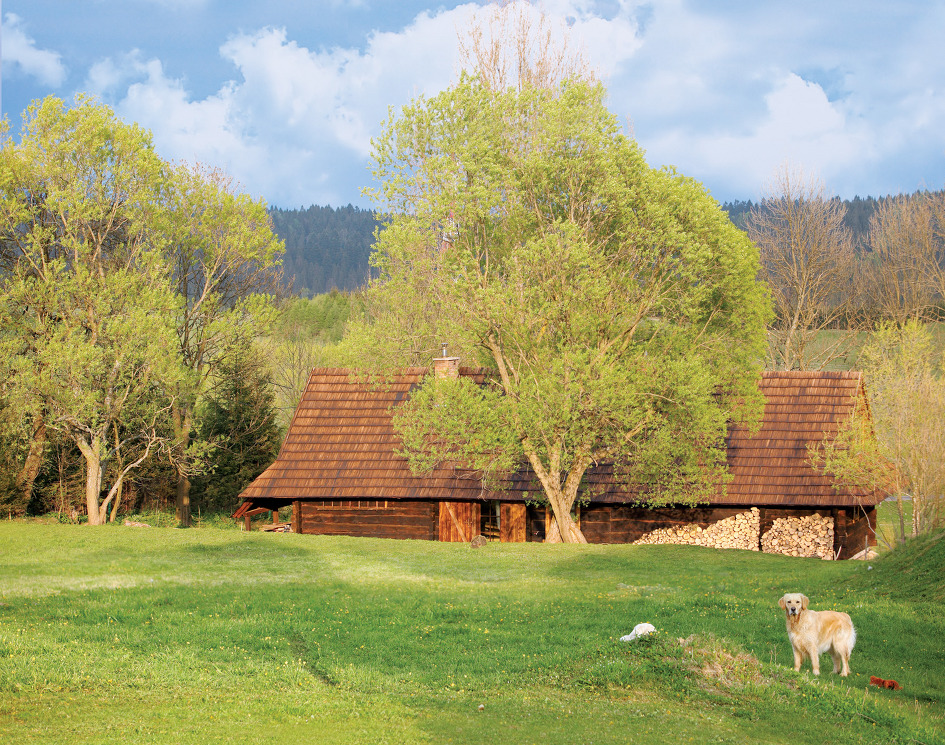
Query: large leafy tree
x=225 y=268
x=84 y=300
x=616 y=304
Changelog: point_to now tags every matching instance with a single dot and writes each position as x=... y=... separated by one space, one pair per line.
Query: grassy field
x=115 y=635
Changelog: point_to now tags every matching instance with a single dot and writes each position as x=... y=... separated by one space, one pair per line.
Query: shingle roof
x=341 y=445
x=801 y=409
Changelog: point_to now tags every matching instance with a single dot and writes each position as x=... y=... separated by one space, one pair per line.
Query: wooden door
x=459 y=521
x=512 y=523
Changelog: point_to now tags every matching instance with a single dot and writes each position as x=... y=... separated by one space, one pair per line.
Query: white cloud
x=729 y=99
x=20 y=50
x=725 y=98
x=800 y=126
x=297 y=123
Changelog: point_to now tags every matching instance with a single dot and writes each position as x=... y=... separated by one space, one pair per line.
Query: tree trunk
x=183 y=500
x=902 y=520
x=568 y=533
x=563 y=529
x=34 y=460
x=91 y=451
x=183 y=417
x=560 y=497
x=114 y=510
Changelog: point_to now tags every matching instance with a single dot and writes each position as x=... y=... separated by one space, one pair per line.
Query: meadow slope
x=117 y=634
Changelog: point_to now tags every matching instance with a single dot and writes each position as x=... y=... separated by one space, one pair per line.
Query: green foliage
x=239 y=423
x=225 y=261
x=616 y=304
x=352 y=640
x=84 y=306
x=321 y=319
x=125 y=282
x=472 y=423
x=905 y=378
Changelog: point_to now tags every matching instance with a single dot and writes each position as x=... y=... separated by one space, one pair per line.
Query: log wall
x=600 y=523
x=374 y=518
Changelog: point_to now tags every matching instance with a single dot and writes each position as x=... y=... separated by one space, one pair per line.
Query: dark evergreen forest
x=328 y=248
x=325 y=248
x=859 y=210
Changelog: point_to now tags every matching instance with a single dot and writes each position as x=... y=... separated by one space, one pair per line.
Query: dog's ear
x=781 y=603
x=804 y=602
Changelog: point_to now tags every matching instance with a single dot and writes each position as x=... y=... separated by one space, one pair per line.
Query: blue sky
x=286 y=94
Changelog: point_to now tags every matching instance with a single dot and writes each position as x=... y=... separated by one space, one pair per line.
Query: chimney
x=445 y=367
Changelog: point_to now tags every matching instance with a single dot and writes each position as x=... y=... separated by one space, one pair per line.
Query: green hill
x=159 y=635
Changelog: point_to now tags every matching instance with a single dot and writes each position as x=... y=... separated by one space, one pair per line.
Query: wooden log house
x=339 y=471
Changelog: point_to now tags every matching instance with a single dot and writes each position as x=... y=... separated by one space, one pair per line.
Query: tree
x=239 y=420
x=907 y=238
x=224 y=262
x=900 y=448
x=512 y=44
x=808 y=261
x=905 y=377
x=84 y=303
x=302 y=338
x=616 y=305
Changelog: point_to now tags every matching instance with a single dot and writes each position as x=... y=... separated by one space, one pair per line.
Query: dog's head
x=793 y=603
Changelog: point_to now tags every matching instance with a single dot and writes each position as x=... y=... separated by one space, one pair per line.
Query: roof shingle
x=341 y=444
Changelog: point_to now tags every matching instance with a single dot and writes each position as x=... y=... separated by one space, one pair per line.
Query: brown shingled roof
x=341 y=445
x=801 y=409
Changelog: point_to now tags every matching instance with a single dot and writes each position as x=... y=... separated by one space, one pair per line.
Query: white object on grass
x=641 y=629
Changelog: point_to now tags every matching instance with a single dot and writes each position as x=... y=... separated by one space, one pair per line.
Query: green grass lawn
x=116 y=635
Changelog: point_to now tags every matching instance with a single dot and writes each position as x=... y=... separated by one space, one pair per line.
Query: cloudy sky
x=286 y=94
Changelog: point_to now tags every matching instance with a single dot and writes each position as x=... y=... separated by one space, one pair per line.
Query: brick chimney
x=445 y=367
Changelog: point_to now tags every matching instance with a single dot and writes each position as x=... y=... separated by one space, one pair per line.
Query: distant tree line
x=329 y=248
x=325 y=248
x=857 y=213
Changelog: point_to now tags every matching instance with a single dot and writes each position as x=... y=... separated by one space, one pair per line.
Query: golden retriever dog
x=814 y=632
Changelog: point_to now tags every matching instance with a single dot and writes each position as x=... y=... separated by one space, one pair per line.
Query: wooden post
x=246 y=520
x=840 y=534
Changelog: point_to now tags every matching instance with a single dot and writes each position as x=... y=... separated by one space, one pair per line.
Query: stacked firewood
x=738 y=531
x=811 y=535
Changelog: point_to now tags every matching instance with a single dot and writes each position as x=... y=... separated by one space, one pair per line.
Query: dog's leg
x=798 y=659
x=837 y=658
x=814 y=655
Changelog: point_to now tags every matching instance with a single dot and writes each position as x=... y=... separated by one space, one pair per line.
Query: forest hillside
x=329 y=247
